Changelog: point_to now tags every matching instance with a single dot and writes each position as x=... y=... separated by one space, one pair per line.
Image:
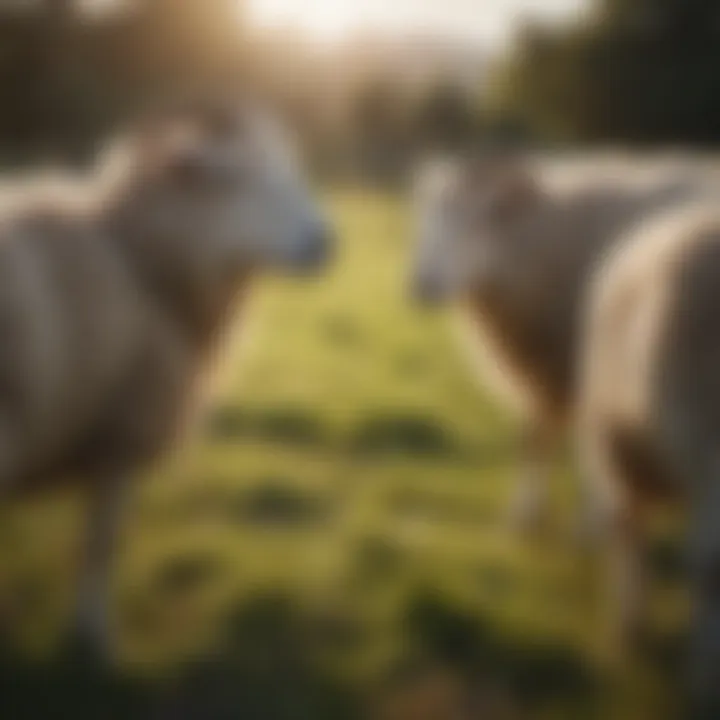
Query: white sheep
x=650 y=411
x=516 y=243
x=115 y=290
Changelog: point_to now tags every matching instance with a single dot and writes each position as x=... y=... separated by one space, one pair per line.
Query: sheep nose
x=317 y=246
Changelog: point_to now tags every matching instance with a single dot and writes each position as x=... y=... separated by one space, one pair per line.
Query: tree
x=445 y=118
x=639 y=71
x=380 y=130
x=66 y=77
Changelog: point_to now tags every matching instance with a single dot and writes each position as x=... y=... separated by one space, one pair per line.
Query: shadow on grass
x=185 y=573
x=530 y=675
x=290 y=426
x=75 y=687
x=378 y=559
x=424 y=437
x=382 y=434
x=666 y=558
x=268 y=671
x=453 y=665
x=273 y=501
x=272 y=667
x=379 y=434
x=403 y=434
x=277 y=502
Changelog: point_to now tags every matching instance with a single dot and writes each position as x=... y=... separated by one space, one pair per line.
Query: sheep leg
x=106 y=512
x=628 y=574
x=594 y=522
x=529 y=509
x=704 y=558
x=619 y=515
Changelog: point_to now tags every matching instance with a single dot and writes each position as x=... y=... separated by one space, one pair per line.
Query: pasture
x=336 y=543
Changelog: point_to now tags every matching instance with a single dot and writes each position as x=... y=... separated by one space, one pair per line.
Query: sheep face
x=468 y=217
x=224 y=190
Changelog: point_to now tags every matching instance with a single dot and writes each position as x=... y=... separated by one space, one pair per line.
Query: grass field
x=340 y=532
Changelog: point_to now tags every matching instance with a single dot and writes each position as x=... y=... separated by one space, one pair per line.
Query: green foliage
x=391 y=127
x=66 y=77
x=446 y=118
x=630 y=72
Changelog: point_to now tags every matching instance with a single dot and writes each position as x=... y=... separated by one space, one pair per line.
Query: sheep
x=649 y=417
x=115 y=290
x=517 y=245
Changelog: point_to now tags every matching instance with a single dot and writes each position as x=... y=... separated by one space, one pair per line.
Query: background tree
x=379 y=129
x=633 y=71
x=67 y=73
x=445 y=118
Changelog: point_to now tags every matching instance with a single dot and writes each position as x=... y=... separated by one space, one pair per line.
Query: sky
x=487 y=20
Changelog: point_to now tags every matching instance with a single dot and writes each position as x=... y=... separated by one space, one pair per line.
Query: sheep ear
x=169 y=148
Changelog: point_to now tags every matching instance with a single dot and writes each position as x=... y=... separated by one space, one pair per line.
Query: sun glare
x=486 y=20
x=327 y=19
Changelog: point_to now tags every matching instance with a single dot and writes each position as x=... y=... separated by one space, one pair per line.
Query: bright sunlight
x=489 y=20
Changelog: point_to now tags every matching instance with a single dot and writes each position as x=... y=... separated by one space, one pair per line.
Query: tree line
x=634 y=72
x=631 y=72
x=68 y=70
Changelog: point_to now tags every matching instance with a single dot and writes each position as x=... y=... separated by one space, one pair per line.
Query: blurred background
x=335 y=546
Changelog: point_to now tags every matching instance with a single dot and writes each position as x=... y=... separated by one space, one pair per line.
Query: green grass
x=352 y=470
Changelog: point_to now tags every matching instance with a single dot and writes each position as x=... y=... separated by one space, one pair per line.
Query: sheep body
x=115 y=292
x=519 y=246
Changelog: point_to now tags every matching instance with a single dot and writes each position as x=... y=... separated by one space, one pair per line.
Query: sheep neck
x=198 y=300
